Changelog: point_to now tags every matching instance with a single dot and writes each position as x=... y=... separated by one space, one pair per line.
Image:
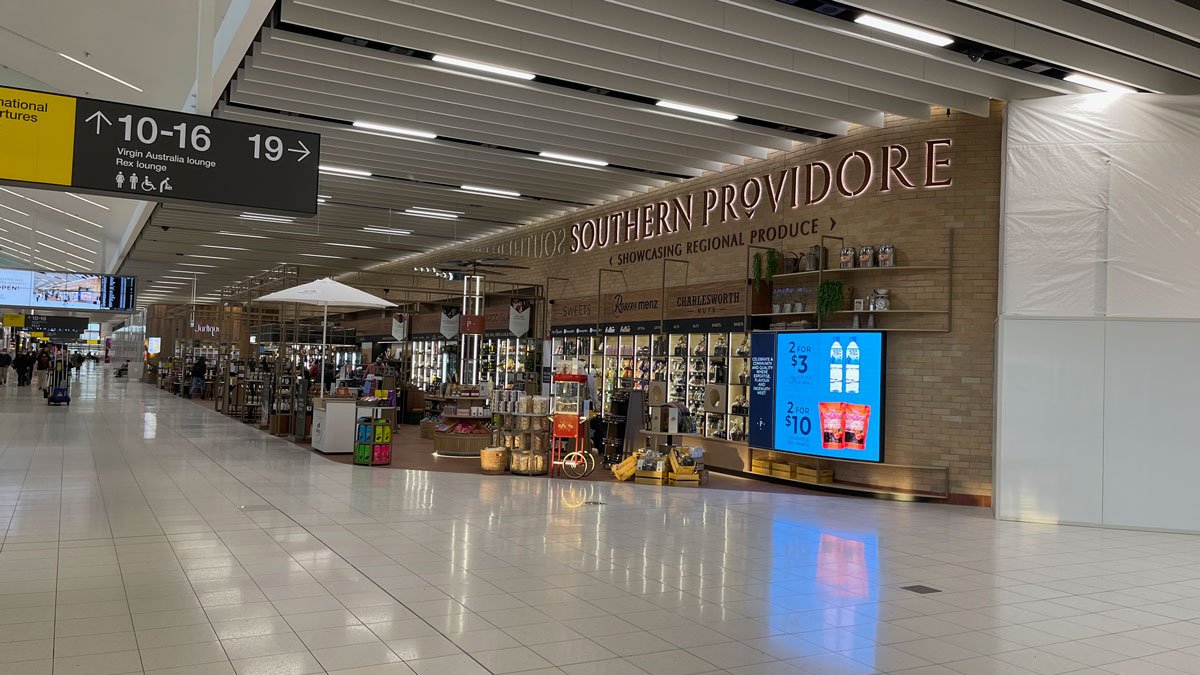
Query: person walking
x=199 y=371
x=43 y=371
x=20 y=362
x=6 y=360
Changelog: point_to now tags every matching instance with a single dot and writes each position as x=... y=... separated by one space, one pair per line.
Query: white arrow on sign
x=99 y=117
x=303 y=149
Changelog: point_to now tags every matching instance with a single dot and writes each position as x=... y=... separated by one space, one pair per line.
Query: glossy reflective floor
x=143 y=533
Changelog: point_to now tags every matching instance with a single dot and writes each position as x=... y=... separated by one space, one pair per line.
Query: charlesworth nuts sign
x=889 y=168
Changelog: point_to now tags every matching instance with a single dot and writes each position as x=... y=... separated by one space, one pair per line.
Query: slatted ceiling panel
x=452 y=22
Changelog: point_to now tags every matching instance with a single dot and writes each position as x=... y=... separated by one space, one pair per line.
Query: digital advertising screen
x=818 y=393
x=67 y=290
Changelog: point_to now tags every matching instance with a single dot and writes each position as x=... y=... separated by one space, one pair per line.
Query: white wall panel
x=1050 y=427
x=1151 y=446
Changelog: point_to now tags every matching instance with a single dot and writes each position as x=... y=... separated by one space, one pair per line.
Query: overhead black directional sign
x=157 y=155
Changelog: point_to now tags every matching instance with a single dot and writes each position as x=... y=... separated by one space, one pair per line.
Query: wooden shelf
x=856 y=270
x=893 y=311
x=785 y=314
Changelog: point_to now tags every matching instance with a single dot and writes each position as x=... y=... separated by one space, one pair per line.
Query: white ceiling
x=794 y=72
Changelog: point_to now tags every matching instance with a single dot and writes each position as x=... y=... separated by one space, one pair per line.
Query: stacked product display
x=465 y=428
x=372 y=441
x=523 y=430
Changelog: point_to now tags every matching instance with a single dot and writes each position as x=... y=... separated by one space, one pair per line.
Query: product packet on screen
x=832 y=436
x=856 y=418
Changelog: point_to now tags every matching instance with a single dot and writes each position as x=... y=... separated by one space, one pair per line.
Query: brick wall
x=940 y=388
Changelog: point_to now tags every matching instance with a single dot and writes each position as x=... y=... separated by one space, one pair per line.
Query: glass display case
x=709 y=374
x=571 y=394
x=433 y=363
x=504 y=361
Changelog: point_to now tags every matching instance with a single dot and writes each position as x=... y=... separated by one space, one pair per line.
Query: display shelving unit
x=447 y=442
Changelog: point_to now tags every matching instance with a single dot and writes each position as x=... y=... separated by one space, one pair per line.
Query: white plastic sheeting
x=1102 y=207
x=1100 y=312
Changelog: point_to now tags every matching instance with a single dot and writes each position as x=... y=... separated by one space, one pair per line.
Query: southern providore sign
x=882 y=169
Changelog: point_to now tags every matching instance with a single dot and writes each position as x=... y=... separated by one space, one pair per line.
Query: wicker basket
x=427 y=427
x=493 y=460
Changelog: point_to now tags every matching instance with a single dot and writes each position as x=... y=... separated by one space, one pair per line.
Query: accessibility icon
x=148 y=185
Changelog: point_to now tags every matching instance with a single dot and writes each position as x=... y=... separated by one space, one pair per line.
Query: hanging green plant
x=830 y=298
x=774 y=262
x=756 y=266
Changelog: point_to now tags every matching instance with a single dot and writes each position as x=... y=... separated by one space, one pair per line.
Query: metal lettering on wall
x=855 y=174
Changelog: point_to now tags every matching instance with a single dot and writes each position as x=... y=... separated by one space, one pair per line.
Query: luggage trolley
x=60 y=380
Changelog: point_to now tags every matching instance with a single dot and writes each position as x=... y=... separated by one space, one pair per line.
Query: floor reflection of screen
x=842 y=565
x=67 y=290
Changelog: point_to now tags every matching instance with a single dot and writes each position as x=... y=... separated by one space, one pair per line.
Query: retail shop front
x=824 y=317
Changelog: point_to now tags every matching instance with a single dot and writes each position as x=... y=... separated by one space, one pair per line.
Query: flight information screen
x=67 y=290
x=818 y=393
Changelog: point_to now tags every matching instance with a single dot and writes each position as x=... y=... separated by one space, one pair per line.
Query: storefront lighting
x=226 y=248
x=905 y=30
x=483 y=67
x=490 y=191
x=426 y=214
x=387 y=230
x=572 y=158
x=1098 y=83
x=343 y=171
x=94 y=69
x=241 y=234
x=85 y=199
x=386 y=129
x=697 y=110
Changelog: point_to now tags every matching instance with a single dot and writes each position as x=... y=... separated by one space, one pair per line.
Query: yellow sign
x=14 y=320
x=37 y=334
x=93 y=342
x=37 y=136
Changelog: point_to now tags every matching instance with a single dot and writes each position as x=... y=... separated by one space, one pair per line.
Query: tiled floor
x=143 y=533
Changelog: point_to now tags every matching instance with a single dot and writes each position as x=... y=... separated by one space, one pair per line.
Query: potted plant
x=830 y=298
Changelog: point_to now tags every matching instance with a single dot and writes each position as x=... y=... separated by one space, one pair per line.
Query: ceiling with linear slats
x=793 y=72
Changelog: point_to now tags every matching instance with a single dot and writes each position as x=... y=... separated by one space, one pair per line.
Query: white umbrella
x=326 y=292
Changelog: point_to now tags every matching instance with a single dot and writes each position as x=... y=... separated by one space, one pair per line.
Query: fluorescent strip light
x=188 y=271
x=484 y=67
x=325 y=168
x=386 y=129
x=55 y=248
x=490 y=191
x=426 y=214
x=68 y=243
x=171 y=283
x=268 y=219
x=65 y=213
x=24 y=227
x=572 y=158
x=195 y=265
x=697 y=110
x=320 y=201
x=207 y=257
x=905 y=30
x=324 y=197
x=1098 y=83
x=322 y=255
x=226 y=248
x=80 y=234
x=85 y=199
x=6 y=206
x=334 y=243
x=428 y=210
x=97 y=70
x=387 y=230
x=14 y=243
x=239 y=234
x=183 y=278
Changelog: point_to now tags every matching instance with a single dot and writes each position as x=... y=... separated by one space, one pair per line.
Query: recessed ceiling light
x=343 y=171
x=484 y=67
x=572 y=158
x=697 y=110
x=94 y=69
x=227 y=248
x=490 y=191
x=388 y=129
x=206 y=257
x=387 y=230
x=85 y=199
x=242 y=234
x=334 y=243
x=52 y=208
x=427 y=214
x=904 y=30
x=1098 y=83
x=322 y=255
x=195 y=265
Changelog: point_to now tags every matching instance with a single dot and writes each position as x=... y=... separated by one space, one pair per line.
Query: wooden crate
x=645 y=477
